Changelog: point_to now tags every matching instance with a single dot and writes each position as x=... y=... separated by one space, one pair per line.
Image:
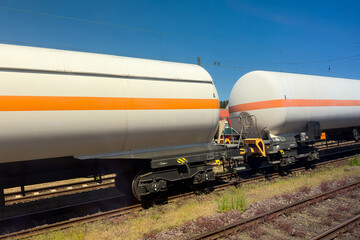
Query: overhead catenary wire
x=219 y=63
x=61 y=47
x=289 y=63
x=161 y=33
x=333 y=73
x=192 y=61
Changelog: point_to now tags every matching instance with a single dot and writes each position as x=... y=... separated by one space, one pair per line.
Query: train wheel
x=149 y=200
x=307 y=162
x=356 y=134
x=282 y=170
x=199 y=188
x=135 y=185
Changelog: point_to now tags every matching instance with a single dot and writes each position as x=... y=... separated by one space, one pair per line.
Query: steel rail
x=121 y=211
x=57 y=193
x=67 y=223
x=236 y=226
x=118 y=212
x=335 y=231
x=10 y=198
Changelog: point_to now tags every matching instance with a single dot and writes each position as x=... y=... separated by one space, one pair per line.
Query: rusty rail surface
x=236 y=226
x=337 y=230
x=118 y=212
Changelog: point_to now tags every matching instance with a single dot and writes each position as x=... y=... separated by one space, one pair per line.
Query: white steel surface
x=266 y=86
x=29 y=71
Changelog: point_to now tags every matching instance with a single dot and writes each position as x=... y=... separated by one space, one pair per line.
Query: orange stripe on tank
x=49 y=103
x=280 y=103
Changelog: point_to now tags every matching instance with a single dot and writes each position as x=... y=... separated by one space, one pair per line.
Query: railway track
x=67 y=223
x=108 y=181
x=61 y=189
x=235 y=227
x=333 y=144
x=337 y=230
x=121 y=211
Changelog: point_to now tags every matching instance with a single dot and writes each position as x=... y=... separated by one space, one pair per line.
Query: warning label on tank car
x=181 y=160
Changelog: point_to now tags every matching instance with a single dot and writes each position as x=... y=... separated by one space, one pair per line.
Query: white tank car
x=57 y=103
x=285 y=102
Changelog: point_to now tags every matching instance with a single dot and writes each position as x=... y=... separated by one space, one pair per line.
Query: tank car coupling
x=246 y=151
x=157 y=186
x=253 y=147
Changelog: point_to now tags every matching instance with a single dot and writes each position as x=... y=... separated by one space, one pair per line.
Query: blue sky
x=231 y=37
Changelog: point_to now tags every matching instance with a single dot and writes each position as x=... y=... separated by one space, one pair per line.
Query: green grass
x=355 y=161
x=234 y=199
x=77 y=233
x=183 y=212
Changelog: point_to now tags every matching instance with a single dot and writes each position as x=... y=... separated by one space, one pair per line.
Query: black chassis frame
x=285 y=150
x=162 y=165
x=168 y=166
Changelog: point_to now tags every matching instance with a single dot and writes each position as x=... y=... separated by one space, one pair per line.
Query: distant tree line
x=224 y=103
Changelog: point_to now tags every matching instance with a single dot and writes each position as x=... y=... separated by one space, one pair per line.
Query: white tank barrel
x=285 y=102
x=56 y=103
